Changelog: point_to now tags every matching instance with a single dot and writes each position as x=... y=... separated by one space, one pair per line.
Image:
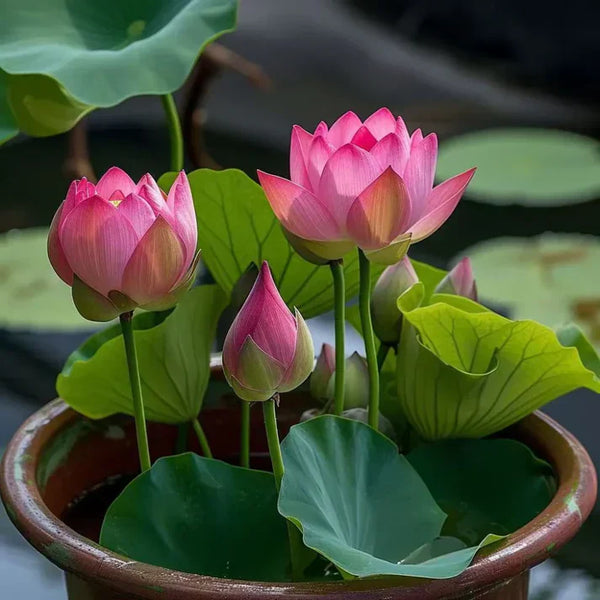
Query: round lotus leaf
x=69 y=56
x=31 y=294
x=552 y=278
x=532 y=167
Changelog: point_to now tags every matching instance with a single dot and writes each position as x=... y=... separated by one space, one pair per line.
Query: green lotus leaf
x=464 y=371
x=537 y=167
x=8 y=125
x=174 y=357
x=59 y=59
x=551 y=278
x=500 y=485
x=360 y=503
x=202 y=516
x=237 y=228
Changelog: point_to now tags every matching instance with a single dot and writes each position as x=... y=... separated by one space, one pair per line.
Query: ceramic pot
x=58 y=456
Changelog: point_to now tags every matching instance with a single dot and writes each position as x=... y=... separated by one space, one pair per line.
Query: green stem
x=382 y=355
x=295 y=538
x=364 y=305
x=245 y=435
x=136 y=390
x=202 y=438
x=339 y=295
x=175 y=134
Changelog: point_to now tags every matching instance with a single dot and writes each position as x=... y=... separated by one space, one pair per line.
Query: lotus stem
x=202 y=438
x=136 y=390
x=382 y=353
x=175 y=133
x=295 y=538
x=339 y=295
x=364 y=305
x=245 y=435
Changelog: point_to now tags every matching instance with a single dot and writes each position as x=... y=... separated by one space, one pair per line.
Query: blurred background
x=511 y=86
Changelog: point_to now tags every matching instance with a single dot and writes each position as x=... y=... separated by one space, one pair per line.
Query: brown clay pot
x=57 y=456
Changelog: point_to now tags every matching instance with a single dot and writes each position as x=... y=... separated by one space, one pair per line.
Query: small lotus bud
x=324 y=369
x=267 y=349
x=460 y=281
x=356 y=384
x=362 y=415
x=309 y=414
x=392 y=283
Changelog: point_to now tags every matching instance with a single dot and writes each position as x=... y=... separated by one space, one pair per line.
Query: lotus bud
x=460 y=281
x=322 y=373
x=267 y=349
x=356 y=384
x=362 y=414
x=392 y=283
x=121 y=244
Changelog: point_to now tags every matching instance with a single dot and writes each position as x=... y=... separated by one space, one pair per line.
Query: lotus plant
x=459 y=281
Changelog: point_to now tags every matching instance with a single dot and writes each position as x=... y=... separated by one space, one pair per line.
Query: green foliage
x=60 y=59
x=499 y=486
x=200 y=515
x=236 y=227
x=538 y=167
x=464 y=371
x=174 y=355
x=361 y=505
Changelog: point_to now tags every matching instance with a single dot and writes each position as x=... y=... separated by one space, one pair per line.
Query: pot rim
x=526 y=547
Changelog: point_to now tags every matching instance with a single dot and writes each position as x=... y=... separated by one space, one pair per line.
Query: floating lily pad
x=537 y=167
x=31 y=294
x=202 y=516
x=552 y=278
x=62 y=58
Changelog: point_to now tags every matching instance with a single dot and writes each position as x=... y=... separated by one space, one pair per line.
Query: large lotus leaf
x=173 y=353
x=8 y=125
x=464 y=371
x=202 y=516
x=236 y=228
x=551 y=278
x=360 y=503
x=499 y=486
x=104 y=52
x=538 y=167
x=31 y=295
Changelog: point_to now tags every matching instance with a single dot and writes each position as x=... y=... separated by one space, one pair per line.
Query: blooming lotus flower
x=120 y=245
x=392 y=283
x=459 y=281
x=367 y=184
x=267 y=349
x=322 y=380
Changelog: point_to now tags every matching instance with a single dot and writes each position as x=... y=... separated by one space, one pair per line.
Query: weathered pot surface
x=57 y=455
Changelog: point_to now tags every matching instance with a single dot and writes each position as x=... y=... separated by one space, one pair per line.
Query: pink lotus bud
x=460 y=281
x=267 y=349
x=367 y=184
x=392 y=283
x=120 y=245
x=323 y=371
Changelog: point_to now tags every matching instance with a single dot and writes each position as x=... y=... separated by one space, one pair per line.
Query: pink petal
x=321 y=130
x=138 y=213
x=85 y=188
x=56 y=254
x=148 y=189
x=299 y=149
x=441 y=203
x=182 y=215
x=364 y=138
x=381 y=212
x=347 y=173
x=460 y=281
x=299 y=211
x=155 y=265
x=266 y=319
x=318 y=155
x=97 y=241
x=113 y=180
x=381 y=123
x=402 y=133
x=420 y=170
x=389 y=151
x=343 y=130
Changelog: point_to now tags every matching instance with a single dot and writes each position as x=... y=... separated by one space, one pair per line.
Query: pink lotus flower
x=459 y=281
x=267 y=349
x=361 y=184
x=120 y=244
